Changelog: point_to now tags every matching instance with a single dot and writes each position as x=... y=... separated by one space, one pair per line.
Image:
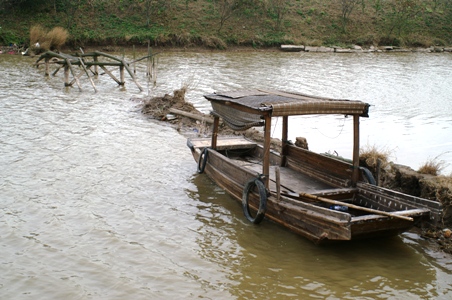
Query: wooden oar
x=370 y=210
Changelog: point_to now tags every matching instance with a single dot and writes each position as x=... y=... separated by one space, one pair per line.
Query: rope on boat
x=250 y=185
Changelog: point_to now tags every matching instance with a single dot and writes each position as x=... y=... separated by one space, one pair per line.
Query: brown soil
x=397 y=177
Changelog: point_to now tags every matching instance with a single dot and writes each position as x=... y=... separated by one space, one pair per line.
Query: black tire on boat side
x=368 y=175
x=262 y=200
x=203 y=160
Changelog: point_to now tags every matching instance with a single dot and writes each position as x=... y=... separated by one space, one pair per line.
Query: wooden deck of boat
x=290 y=180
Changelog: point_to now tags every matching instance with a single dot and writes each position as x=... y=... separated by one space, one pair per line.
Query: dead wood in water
x=86 y=61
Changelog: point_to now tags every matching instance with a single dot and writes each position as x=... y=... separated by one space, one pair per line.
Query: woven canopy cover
x=279 y=103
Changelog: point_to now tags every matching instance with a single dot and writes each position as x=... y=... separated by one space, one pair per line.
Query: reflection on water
x=99 y=202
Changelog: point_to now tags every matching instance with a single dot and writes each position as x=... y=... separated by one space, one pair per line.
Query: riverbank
x=218 y=25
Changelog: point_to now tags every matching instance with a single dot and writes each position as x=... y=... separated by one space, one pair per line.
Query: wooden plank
x=203 y=117
x=373 y=211
x=224 y=143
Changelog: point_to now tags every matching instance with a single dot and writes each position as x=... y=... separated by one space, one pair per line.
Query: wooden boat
x=319 y=197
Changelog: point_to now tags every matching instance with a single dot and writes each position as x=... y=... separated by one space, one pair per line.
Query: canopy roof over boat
x=243 y=104
x=244 y=109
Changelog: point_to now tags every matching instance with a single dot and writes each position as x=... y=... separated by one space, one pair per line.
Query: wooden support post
x=66 y=75
x=278 y=183
x=96 y=71
x=134 y=69
x=266 y=161
x=216 y=123
x=284 y=142
x=355 y=175
x=121 y=75
x=47 y=67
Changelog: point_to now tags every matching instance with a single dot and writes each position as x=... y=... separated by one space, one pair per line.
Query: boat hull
x=313 y=220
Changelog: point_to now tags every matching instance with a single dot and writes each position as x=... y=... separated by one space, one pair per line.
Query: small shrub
x=57 y=37
x=372 y=154
x=51 y=40
x=432 y=167
x=37 y=34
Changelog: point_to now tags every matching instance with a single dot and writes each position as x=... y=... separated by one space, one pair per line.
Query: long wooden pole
x=349 y=205
x=73 y=73
x=266 y=161
x=203 y=117
x=66 y=75
x=87 y=74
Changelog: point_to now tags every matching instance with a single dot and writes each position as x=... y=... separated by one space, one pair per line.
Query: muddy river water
x=98 y=201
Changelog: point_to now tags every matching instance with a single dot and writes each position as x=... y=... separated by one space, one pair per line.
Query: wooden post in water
x=66 y=75
x=96 y=71
x=47 y=66
x=121 y=75
x=134 y=68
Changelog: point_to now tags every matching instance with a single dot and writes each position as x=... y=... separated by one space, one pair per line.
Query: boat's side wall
x=389 y=200
x=324 y=168
x=311 y=221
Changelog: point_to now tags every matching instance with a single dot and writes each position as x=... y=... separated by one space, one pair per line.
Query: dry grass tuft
x=432 y=167
x=57 y=37
x=372 y=154
x=214 y=42
x=37 y=34
x=51 y=40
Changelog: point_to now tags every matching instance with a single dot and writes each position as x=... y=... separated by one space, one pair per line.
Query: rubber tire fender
x=368 y=175
x=255 y=182
x=203 y=160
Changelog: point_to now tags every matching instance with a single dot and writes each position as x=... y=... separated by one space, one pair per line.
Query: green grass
x=253 y=24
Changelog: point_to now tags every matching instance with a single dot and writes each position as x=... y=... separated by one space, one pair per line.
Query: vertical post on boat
x=216 y=122
x=355 y=175
x=266 y=163
x=284 y=142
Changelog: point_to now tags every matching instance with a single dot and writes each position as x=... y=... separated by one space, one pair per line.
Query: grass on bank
x=255 y=23
x=433 y=166
x=373 y=155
